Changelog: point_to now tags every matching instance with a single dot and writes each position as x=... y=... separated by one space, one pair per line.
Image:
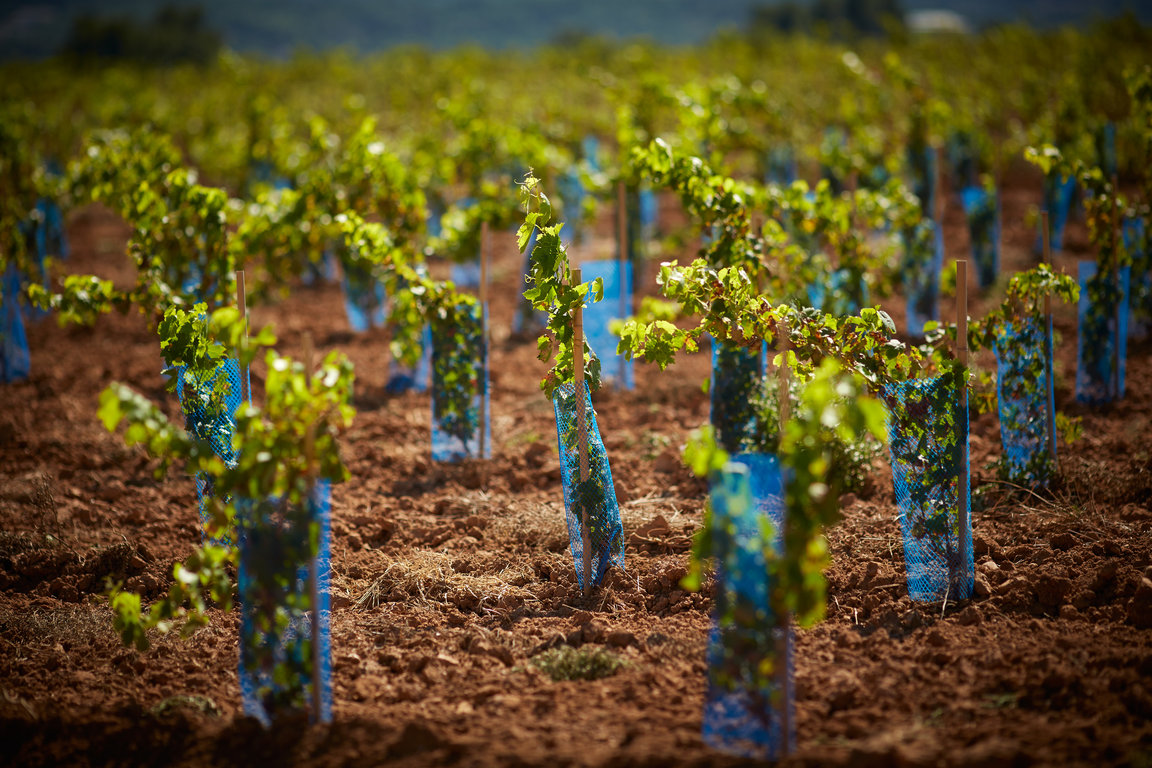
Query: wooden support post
x=938 y=186
x=242 y=306
x=313 y=564
x=1049 y=396
x=1046 y=237
x=962 y=439
x=484 y=334
x=1116 y=247
x=622 y=245
x=1050 y=404
x=581 y=426
x=782 y=374
x=784 y=640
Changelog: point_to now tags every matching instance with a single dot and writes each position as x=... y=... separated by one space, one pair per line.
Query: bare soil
x=448 y=579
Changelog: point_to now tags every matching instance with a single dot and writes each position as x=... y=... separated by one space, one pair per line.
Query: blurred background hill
x=143 y=28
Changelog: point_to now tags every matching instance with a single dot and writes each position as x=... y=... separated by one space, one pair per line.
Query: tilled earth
x=448 y=579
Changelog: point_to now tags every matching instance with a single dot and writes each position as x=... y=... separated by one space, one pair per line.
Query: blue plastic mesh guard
x=922 y=166
x=459 y=391
x=276 y=634
x=212 y=424
x=737 y=380
x=615 y=369
x=649 y=209
x=962 y=159
x=1024 y=394
x=1057 y=201
x=924 y=424
x=780 y=165
x=15 y=360
x=1140 y=302
x=466 y=274
x=51 y=239
x=1101 y=352
x=744 y=708
x=923 y=260
x=363 y=299
x=833 y=294
x=403 y=378
x=983 y=212
x=571 y=192
x=605 y=532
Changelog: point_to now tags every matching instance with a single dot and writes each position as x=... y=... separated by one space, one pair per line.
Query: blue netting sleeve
x=594 y=499
x=615 y=369
x=208 y=407
x=926 y=428
x=842 y=292
x=466 y=274
x=460 y=391
x=922 y=165
x=1102 y=341
x=1057 y=201
x=737 y=380
x=282 y=618
x=1024 y=394
x=15 y=359
x=1140 y=302
x=983 y=212
x=780 y=165
x=571 y=192
x=363 y=298
x=923 y=260
x=747 y=708
x=403 y=378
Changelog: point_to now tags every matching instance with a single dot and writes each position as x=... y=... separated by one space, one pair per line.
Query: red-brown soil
x=447 y=579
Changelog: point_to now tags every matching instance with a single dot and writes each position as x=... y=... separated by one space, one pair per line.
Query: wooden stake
x=782 y=374
x=581 y=426
x=938 y=186
x=622 y=245
x=242 y=305
x=1119 y=288
x=783 y=645
x=1050 y=396
x=1046 y=237
x=484 y=332
x=783 y=642
x=962 y=465
x=313 y=564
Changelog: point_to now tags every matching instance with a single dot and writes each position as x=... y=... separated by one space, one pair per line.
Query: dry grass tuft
x=428 y=578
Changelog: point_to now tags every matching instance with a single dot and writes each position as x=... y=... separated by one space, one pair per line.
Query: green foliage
x=568 y=663
x=731 y=307
x=459 y=360
x=929 y=432
x=1024 y=297
x=1069 y=428
x=550 y=290
x=1104 y=209
x=833 y=409
x=81 y=300
x=281 y=450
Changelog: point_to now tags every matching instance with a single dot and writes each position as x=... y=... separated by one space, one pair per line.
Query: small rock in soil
x=969 y=616
x=621 y=639
x=1139 y=612
x=981 y=586
x=1051 y=590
